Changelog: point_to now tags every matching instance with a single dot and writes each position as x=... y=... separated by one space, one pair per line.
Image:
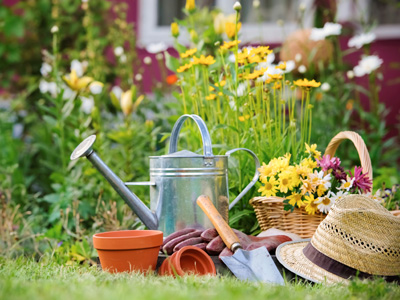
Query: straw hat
x=359 y=237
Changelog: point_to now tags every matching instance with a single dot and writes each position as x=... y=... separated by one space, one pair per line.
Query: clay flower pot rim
x=135 y=234
x=127 y=239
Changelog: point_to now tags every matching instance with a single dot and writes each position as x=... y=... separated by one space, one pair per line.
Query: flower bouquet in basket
x=297 y=196
x=312 y=185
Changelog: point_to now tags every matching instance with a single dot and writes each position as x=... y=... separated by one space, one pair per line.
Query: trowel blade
x=254 y=265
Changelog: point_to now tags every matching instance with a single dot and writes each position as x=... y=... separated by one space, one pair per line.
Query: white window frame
x=150 y=32
x=269 y=32
x=349 y=10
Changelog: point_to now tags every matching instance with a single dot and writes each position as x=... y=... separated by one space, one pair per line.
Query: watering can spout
x=84 y=149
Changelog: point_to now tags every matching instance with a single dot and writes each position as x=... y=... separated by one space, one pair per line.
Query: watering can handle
x=205 y=135
x=255 y=177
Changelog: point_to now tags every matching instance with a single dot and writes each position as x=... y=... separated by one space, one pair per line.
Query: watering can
x=176 y=180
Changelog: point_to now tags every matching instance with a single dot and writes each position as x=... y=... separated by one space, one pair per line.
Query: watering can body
x=176 y=180
x=180 y=178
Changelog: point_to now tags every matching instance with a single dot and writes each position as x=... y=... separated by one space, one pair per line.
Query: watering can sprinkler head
x=84 y=149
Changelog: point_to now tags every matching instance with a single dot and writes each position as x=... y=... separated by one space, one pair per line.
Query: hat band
x=336 y=267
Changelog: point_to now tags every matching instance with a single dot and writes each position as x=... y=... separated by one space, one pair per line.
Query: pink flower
x=362 y=182
x=339 y=173
x=327 y=163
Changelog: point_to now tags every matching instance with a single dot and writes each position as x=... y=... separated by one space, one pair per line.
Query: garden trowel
x=254 y=265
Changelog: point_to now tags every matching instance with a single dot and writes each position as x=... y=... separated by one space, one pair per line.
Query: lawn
x=27 y=279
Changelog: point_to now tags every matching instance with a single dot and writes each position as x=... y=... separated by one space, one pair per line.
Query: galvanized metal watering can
x=176 y=180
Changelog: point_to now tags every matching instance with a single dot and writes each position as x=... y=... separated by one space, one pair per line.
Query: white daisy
x=325 y=203
x=347 y=184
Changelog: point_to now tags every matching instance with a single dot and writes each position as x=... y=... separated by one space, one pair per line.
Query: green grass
x=26 y=279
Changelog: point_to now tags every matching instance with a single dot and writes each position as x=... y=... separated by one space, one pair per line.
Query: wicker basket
x=270 y=212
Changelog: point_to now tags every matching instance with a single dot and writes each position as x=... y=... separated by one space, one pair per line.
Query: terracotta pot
x=299 y=43
x=128 y=250
x=188 y=260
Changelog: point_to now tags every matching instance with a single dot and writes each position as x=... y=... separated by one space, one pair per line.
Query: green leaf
x=14 y=27
x=171 y=62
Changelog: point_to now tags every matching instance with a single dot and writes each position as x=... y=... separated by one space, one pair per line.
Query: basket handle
x=358 y=143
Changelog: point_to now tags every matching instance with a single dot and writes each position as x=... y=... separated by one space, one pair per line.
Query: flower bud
x=350 y=74
x=190 y=5
x=325 y=87
x=147 y=60
x=54 y=29
x=126 y=102
x=96 y=87
x=302 y=69
x=194 y=36
x=237 y=6
x=174 y=29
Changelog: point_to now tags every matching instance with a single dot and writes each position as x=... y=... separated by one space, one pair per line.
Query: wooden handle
x=358 y=143
x=226 y=233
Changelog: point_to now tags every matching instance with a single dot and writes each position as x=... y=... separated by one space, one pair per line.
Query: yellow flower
x=269 y=188
x=282 y=66
x=256 y=74
x=302 y=170
x=313 y=150
x=295 y=178
x=243 y=118
x=190 y=5
x=220 y=20
x=243 y=57
x=174 y=29
x=311 y=206
x=229 y=45
x=306 y=83
x=285 y=182
x=211 y=97
x=275 y=76
x=184 y=68
x=202 y=60
x=127 y=104
x=230 y=29
x=321 y=189
x=309 y=162
x=189 y=53
x=277 y=86
x=220 y=84
x=266 y=171
x=261 y=51
x=280 y=164
x=76 y=83
x=295 y=199
x=254 y=59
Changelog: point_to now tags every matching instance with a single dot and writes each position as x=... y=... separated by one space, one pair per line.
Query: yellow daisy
x=307 y=83
x=184 y=68
x=189 y=53
x=311 y=205
x=229 y=45
x=312 y=150
x=202 y=60
x=269 y=188
x=285 y=182
x=296 y=199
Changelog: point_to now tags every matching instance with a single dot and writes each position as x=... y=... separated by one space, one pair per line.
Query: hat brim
x=291 y=256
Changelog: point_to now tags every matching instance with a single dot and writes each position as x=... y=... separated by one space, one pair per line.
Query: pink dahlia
x=327 y=162
x=361 y=181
